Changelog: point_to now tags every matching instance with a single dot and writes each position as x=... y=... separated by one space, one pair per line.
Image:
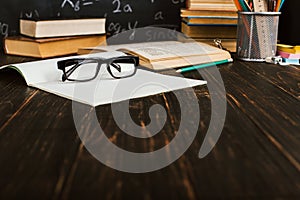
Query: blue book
x=291 y=61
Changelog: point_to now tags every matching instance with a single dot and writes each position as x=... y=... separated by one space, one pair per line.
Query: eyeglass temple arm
x=70 y=71
x=65 y=63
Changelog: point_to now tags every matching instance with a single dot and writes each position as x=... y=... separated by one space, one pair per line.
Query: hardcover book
x=222 y=6
x=289 y=48
x=208 y=13
x=168 y=54
x=62 y=27
x=209 y=31
x=200 y=20
x=50 y=47
x=288 y=55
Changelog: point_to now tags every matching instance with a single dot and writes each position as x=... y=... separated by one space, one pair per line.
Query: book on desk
x=293 y=49
x=50 y=47
x=204 y=20
x=167 y=54
x=50 y=38
x=62 y=27
x=220 y=5
x=154 y=55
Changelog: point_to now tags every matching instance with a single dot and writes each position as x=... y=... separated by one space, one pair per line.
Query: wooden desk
x=257 y=155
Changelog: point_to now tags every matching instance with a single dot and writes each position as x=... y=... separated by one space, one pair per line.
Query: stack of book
x=288 y=51
x=290 y=54
x=51 y=38
x=206 y=20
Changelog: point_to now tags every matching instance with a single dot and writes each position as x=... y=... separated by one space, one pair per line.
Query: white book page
x=165 y=50
x=116 y=47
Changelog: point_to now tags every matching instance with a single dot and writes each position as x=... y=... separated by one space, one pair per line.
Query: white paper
x=104 y=89
x=46 y=70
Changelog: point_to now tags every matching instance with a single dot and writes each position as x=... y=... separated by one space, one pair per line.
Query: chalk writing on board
x=3 y=29
x=121 y=8
x=116 y=28
x=159 y=16
x=30 y=14
x=177 y=1
x=159 y=34
x=121 y=15
x=77 y=4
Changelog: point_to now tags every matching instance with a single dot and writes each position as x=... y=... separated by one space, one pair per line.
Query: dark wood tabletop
x=256 y=157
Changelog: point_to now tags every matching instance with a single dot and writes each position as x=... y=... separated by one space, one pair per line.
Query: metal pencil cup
x=257 y=35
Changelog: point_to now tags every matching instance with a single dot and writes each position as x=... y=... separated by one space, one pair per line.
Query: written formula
x=3 y=29
x=77 y=4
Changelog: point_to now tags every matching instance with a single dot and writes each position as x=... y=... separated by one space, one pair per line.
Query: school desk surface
x=256 y=156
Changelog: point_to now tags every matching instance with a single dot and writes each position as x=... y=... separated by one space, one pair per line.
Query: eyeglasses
x=87 y=69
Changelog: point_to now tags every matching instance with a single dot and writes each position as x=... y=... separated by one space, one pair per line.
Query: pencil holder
x=257 y=35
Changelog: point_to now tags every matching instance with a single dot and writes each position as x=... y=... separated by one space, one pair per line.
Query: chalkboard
x=289 y=26
x=121 y=15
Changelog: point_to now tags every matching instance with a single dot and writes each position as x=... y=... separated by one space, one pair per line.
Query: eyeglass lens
x=122 y=67
x=82 y=71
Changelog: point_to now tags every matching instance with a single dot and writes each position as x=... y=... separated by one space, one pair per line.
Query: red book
x=288 y=55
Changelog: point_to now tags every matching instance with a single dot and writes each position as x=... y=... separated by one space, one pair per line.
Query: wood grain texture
x=257 y=155
x=276 y=114
x=286 y=78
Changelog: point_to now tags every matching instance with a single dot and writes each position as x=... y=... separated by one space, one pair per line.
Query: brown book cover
x=209 y=31
x=50 y=47
x=222 y=6
x=208 y=13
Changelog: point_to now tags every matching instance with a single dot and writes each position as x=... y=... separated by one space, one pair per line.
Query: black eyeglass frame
x=62 y=64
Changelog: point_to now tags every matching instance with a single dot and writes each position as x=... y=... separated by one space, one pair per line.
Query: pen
x=242 y=4
x=277 y=5
x=281 y=3
x=272 y=5
x=187 y=69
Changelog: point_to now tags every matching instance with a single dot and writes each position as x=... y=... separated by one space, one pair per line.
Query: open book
x=167 y=54
x=45 y=75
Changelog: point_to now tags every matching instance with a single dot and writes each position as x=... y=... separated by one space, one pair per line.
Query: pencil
x=238 y=5
x=247 y=5
x=243 y=6
x=278 y=5
x=187 y=69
